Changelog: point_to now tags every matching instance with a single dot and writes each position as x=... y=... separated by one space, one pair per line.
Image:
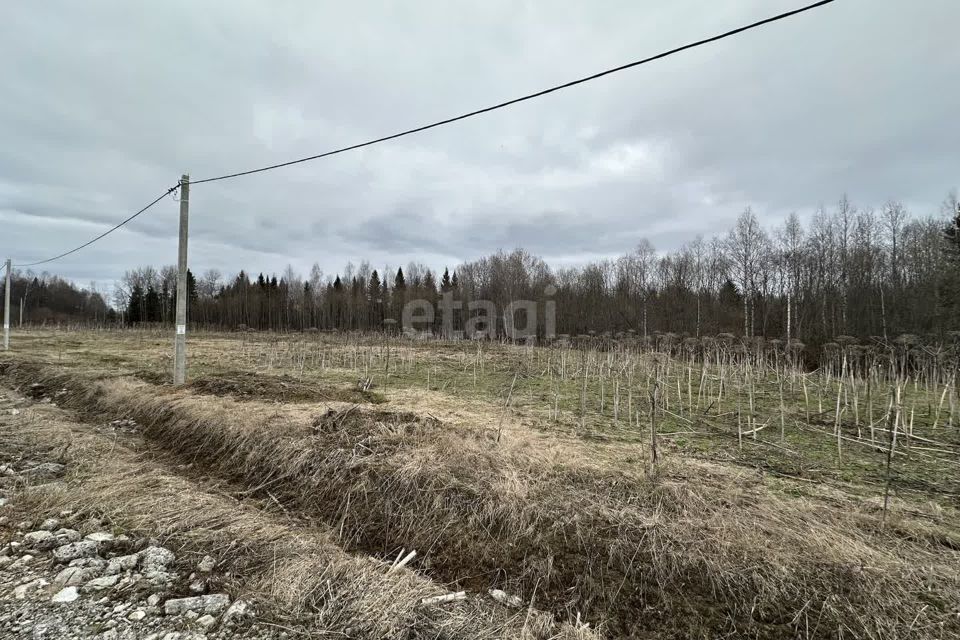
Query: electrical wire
x=530 y=96
x=440 y=123
x=105 y=233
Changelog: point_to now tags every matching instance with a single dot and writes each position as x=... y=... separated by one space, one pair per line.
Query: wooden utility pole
x=6 y=309
x=180 y=340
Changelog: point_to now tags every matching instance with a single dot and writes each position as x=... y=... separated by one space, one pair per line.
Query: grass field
x=647 y=494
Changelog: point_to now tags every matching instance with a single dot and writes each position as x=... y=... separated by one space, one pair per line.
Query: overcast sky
x=105 y=104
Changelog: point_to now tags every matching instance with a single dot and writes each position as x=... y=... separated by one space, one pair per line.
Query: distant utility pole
x=180 y=342
x=6 y=309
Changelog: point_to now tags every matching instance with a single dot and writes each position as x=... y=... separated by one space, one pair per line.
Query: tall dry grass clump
x=294 y=572
x=693 y=550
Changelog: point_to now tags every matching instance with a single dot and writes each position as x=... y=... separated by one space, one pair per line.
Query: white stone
x=50 y=524
x=74 y=550
x=65 y=536
x=43 y=540
x=206 y=621
x=121 y=563
x=206 y=565
x=156 y=559
x=160 y=579
x=75 y=576
x=213 y=604
x=100 y=536
x=45 y=470
x=25 y=559
x=154 y=599
x=23 y=590
x=67 y=594
x=137 y=615
x=94 y=562
x=99 y=584
x=238 y=609
x=505 y=598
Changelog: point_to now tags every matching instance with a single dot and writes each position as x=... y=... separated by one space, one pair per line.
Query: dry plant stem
x=583 y=394
x=783 y=428
x=654 y=397
x=839 y=432
x=892 y=423
x=506 y=405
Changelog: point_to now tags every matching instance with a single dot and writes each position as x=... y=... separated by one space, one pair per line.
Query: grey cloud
x=107 y=103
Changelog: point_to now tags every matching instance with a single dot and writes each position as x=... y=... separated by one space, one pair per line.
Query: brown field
x=618 y=493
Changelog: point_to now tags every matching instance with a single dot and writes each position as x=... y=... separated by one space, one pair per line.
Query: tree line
x=45 y=299
x=848 y=271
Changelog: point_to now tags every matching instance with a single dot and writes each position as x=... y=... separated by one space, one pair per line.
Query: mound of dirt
x=360 y=420
x=257 y=386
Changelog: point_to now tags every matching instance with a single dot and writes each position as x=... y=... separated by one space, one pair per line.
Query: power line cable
x=530 y=96
x=105 y=233
x=566 y=85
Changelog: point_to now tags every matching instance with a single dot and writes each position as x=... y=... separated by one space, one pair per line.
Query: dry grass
x=295 y=572
x=699 y=550
x=250 y=386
